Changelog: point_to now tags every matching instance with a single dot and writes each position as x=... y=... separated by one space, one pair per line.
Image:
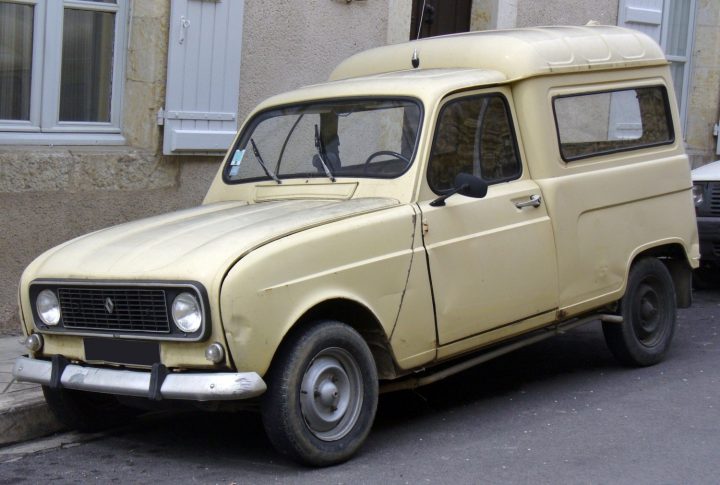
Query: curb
x=25 y=417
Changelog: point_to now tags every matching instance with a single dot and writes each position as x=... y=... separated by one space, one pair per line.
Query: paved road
x=560 y=412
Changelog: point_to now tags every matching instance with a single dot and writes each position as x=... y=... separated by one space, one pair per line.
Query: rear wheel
x=322 y=394
x=87 y=411
x=649 y=313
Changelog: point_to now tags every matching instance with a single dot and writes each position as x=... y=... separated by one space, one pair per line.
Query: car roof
x=516 y=53
x=422 y=84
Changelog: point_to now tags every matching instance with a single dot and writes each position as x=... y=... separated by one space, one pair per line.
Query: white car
x=706 y=194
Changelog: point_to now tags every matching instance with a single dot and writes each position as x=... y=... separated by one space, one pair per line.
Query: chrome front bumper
x=207 y=386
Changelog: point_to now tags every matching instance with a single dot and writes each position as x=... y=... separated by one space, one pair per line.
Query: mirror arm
x=440 y=201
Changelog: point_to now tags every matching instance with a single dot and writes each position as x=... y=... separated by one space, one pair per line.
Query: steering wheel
x=397 y=155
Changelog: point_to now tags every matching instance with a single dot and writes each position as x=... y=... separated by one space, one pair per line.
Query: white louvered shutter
x=203 y=76
x=643 y=15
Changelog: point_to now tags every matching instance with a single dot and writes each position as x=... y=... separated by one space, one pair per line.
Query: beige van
x=433 y=205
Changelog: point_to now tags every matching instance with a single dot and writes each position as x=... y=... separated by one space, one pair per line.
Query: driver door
x=492 y=260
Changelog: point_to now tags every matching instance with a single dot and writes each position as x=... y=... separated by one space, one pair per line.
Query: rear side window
x=612 y=121
x=474 y=135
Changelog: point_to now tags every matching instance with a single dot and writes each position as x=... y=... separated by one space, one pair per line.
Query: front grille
x=115 y=309
x=714 y=203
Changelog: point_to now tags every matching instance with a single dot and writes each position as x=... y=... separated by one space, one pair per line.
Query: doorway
x=440 y=17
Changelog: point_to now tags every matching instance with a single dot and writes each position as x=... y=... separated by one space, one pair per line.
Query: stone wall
x=566 y=12
x=507 y=14
x=704 y=94
x=294 y=43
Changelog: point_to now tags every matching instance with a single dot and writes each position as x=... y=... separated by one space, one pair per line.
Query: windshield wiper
x=321 y=154
x=262 y=162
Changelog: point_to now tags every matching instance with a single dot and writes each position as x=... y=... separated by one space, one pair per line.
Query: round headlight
x=48 y=307
x=186 y=313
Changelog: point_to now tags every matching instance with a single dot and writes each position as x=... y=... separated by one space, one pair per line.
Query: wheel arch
x=675 y=259
x=361 y=319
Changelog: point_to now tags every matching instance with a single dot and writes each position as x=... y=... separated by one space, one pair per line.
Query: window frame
x=513 y=134
x=44 y=126
x=668 y=117
x=685 y=60
x=258 y=117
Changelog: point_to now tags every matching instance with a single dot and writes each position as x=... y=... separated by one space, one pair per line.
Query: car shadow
x=199 y=437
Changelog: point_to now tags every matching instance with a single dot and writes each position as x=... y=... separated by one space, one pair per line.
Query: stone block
x=706 y=48
x=37 y=169
x=155 y=9
x=147 y=50
x=142 y=102
x=702 y=109
x=125 y=170
x=707 y=13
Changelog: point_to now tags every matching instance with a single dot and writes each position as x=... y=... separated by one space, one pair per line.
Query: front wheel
x=648 y=311
x=322 y=394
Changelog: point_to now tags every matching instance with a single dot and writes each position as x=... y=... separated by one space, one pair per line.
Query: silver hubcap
x=331 y=394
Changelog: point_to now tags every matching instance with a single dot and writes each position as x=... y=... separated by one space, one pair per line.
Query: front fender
x=365 y=259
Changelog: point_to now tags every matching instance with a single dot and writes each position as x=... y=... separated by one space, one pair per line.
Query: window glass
x=16 y=39
x=474 y=135
x=87 y=58
x=606 y=122
x=353 y=138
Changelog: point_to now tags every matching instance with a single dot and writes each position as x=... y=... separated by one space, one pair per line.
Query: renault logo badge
x=109 y=305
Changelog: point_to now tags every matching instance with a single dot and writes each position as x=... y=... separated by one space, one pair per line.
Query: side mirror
x=471 y=186
x=465 y=184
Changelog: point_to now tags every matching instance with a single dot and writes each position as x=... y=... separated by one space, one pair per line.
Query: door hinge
x=161 y=116
x=425 y=228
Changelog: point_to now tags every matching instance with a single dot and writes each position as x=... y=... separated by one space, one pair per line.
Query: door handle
x=533 y=201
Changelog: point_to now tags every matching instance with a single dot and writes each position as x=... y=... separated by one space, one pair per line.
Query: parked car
x=433 y=205
x=706 y=195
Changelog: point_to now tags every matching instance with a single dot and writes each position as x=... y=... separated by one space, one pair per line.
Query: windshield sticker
x=237 y=157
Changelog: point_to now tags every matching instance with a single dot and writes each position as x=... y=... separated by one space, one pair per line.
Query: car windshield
x=329 y=139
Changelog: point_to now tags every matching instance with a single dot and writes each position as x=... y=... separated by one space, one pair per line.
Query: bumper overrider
x=156 y=384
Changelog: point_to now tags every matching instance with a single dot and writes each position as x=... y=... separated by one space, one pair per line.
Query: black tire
x=649 y=312
x=86 y=411
x=329 y=424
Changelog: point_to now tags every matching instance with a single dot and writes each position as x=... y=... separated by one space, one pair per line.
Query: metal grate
x=116 y=309
x=714 y=205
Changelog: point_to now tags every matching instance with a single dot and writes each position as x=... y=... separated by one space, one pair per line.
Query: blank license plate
x=132 y=352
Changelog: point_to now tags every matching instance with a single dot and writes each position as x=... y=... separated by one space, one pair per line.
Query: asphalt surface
x=562 y=411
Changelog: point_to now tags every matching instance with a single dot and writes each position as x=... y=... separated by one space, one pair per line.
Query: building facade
x=112 y=110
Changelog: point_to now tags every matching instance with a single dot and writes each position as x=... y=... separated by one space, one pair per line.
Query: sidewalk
x=23 y=412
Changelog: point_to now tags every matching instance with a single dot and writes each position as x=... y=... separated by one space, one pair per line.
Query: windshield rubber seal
x=261 y=115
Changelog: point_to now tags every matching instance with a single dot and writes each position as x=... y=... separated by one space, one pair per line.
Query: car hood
x=709 y=172
x=193 y=244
